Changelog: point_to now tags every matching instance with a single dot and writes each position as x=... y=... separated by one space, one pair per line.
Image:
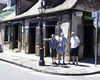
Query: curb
x=8 y=61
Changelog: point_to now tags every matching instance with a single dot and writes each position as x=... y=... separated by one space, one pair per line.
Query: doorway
x=49 y=32
x=32 y=39
x=15 y=35
x=88 y=39
x=6 y=34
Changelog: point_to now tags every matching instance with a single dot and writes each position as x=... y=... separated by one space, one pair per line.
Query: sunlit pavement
x=31 y=61
x=12 y=72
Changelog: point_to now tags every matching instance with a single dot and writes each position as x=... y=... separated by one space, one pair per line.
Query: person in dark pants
x=75 y=42
x=53 y=47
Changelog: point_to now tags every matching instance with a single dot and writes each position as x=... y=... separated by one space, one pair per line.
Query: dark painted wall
x=2 y=6
x=24 y=5
x=53 y=3
x=12 y=2
x=88 y=5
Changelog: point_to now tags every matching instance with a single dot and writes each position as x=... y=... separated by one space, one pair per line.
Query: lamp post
x=41 y=11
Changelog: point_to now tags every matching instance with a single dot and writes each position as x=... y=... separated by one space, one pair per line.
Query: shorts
x=61 y=50
x=75 y=51
x=53 y=53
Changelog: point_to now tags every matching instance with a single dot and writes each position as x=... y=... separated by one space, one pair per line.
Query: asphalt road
x=12 y=72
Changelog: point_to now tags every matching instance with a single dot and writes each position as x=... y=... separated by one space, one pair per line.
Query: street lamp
x=41 y=11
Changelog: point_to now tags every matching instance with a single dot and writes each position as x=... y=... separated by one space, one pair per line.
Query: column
x=26 y=36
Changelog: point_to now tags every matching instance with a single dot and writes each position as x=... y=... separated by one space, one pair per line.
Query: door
x=88 y=39
x=15 y=29
x=32 y=37
x=6 y=34
x=49 y=32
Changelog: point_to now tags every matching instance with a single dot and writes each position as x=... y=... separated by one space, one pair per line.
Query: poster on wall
x=65 y=28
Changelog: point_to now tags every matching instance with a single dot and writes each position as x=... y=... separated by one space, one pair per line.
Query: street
x=12 y=72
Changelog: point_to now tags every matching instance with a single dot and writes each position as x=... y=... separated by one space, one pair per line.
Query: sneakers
x=73 y=63
x=64 y=63
x=59 y=63
x=54 y=63
x=76 y=64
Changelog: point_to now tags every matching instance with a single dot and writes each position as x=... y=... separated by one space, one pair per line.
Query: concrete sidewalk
x=31 y=61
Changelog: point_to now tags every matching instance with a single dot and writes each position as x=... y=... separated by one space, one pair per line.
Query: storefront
x=73 y=17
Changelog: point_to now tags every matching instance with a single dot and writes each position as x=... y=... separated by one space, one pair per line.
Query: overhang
x=83 y=5
x=68 y=4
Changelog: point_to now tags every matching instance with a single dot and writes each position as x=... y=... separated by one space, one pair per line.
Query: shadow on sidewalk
x=66 y=65
x=83 y=65
x=90 y=60
x=59 y=65
x=47 y=65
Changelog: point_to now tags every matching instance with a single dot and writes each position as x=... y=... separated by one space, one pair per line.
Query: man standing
x=53 y=47
x=75 y=42
x=62 y=48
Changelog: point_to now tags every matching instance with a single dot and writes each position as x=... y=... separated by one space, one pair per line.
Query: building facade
x=23 y=28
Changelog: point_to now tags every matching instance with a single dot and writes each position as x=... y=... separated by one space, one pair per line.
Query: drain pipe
x=96 y=50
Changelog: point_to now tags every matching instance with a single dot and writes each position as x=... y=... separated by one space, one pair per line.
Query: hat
x=62 y=34
x=73 y=33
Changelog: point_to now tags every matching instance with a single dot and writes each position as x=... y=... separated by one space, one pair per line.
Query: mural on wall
x=63 y=26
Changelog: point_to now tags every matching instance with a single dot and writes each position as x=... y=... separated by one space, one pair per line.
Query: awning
x=34 y=10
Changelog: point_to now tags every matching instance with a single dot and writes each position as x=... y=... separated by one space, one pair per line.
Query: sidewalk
x=31 y=61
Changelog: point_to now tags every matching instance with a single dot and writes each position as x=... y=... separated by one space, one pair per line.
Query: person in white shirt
x=75 y=42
